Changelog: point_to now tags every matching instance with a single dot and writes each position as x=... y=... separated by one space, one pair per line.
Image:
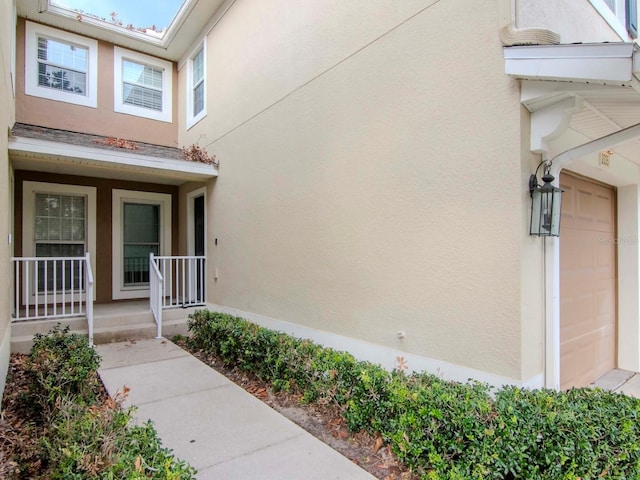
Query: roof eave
x=189 y=23
x=177 y=170
x=601 y=63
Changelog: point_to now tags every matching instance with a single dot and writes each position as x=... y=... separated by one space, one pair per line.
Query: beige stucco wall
x=99 y=121
x=370 y=177
x=7 y=113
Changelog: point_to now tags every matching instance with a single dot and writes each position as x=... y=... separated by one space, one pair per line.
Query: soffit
x=601 y=77
x=57 y=151
x=187 y=26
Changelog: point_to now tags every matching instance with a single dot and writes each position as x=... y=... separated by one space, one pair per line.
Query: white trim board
x=382 y=355
x=118 y=198
x=191 y=196
x=31 y=87
x=29 y=189
x=603 y=63
x=120 y=160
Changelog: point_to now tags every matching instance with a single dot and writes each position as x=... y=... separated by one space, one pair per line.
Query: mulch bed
x=322 y=421
x=19 y=434
x=20 y=431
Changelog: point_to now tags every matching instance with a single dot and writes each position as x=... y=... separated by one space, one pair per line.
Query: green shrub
x=62 y=364
x=587 y=433
x=82 y=438
x=142 y=456
x=443 y=429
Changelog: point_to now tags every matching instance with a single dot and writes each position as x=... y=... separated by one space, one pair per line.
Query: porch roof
x=59 y=151
x=596 y=87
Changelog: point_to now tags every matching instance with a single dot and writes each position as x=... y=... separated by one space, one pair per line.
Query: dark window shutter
x=632 y=18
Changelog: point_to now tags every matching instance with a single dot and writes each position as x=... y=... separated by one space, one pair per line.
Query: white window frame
x=29 y=191
x=191 y=118
x=617 y=19
x=31 y=87
x=166 y=115
x=12 y=66
x=119 y=198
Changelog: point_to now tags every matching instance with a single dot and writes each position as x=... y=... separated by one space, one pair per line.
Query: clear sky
x=140 y=13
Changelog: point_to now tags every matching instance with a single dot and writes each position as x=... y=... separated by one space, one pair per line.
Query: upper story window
x=621 y=15
x=60 y=66
x=142 y=85
x=196 y=88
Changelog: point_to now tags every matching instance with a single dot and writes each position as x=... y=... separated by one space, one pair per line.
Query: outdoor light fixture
x=546 y=201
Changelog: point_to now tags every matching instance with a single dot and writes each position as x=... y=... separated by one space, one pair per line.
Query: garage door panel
x=577 y=320
x=588 y=357
x=603 y=214
x=587 y=281
x=585 y=205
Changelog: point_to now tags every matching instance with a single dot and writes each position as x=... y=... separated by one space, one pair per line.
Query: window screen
x=141 y=236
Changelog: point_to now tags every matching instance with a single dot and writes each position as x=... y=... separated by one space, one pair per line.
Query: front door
x=141 y=237
x=198 y=244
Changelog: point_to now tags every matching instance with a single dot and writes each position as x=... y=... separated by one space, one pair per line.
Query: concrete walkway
x=620 y=381
x=216 y=426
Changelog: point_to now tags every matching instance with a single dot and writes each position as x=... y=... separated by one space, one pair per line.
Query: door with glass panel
x=141 y=236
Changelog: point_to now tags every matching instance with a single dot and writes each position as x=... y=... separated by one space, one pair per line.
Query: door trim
x=119 y=197
x=191 y=196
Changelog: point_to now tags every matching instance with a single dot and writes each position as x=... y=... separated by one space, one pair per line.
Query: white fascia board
x=117 y=159
x=603 y=63
x=170 y=44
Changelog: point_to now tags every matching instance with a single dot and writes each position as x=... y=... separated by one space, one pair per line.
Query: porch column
x=628 y=278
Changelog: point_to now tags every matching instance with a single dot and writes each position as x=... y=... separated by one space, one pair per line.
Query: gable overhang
x=63 y=158
x=582 y=94
x=596 y=63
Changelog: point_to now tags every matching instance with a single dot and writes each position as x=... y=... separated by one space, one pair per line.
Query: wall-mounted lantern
x=546 y=204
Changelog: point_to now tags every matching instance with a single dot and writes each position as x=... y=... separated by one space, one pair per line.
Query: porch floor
x=113 y=322
x=620 y=381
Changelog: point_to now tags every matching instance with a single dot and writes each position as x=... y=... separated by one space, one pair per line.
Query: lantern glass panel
x=546 y=205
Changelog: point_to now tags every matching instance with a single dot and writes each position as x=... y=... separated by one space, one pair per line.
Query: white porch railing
x=175 y=282
x=52 y=287
x=156 y=287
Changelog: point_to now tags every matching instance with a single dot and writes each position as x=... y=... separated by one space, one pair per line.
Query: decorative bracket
x=551 y=121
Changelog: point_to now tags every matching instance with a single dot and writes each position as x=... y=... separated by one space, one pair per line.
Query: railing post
x=88 y=278
x=156 y=286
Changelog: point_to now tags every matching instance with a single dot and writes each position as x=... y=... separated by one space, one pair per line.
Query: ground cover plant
x=58 y=423
x=442 y=429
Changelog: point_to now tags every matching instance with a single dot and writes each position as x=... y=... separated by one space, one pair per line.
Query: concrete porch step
x=108 y=327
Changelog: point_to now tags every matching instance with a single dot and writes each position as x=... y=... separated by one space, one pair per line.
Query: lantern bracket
x=533 y=179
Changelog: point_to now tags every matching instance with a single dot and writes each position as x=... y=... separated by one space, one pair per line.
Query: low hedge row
x=81 y=437
x=438 y=428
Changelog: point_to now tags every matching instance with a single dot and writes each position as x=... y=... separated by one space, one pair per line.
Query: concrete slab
x=613 y=379
x=133 y=353
x=150 y=382
x=213 y=426
x=212 y=423
x=632 y=387
x=287 y=460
